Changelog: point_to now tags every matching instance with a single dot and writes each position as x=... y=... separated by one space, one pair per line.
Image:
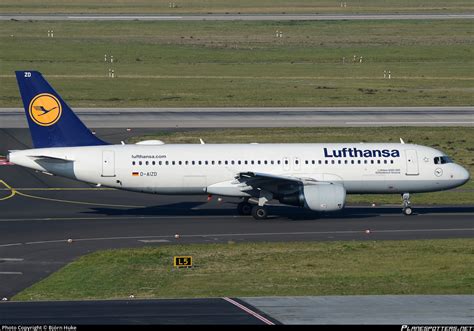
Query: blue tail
x=52 y=123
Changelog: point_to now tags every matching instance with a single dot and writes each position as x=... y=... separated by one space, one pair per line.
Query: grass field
x=242 y=6
x=267 y=269
x=243 y=63
x=457 y=142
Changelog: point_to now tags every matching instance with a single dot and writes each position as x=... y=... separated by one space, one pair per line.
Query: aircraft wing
x=270 y=182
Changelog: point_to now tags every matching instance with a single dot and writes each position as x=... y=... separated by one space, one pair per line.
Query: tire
x=407 y=211
x=244 y=208
x=259 y=213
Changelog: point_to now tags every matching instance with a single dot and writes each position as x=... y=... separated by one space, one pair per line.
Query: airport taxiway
x=231 y=17
x=260 y=117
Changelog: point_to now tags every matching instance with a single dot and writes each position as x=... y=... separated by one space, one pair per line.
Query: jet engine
x=318 y=197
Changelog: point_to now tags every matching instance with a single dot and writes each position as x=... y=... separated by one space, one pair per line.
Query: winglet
x=401 y=141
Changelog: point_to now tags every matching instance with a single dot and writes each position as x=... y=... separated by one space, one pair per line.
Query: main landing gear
x=406 y=204
x=244 y=208
x=259 y=211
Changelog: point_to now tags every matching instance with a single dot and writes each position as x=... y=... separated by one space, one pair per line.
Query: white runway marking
x=150 y=241
x=249 y=311
x=10 y=273
x=9 y=259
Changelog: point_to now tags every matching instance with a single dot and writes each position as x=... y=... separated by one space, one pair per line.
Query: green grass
x=267 y=269
x=457 y=142
x=241 y=6
x=243 y=63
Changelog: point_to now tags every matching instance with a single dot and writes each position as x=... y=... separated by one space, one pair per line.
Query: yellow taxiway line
x=14 y=192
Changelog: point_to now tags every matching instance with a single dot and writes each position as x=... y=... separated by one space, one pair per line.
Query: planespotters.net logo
x=45 y=109
x=437 y=328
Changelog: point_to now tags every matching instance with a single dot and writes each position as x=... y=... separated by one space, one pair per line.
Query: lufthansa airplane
x=313 y=176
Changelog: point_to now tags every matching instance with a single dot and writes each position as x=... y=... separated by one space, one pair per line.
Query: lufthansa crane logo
x=45 y=109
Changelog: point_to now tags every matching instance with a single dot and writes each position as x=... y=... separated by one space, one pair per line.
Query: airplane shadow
x=275 y=212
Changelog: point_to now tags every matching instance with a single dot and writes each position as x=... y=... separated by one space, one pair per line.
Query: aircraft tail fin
x=52 y=122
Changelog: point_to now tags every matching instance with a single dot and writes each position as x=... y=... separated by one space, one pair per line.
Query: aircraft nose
x=462 y=174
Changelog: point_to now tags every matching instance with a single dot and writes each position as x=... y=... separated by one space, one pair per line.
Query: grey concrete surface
x=259 y=117
x=126 y=312
x=379 y=309
x=231 y=17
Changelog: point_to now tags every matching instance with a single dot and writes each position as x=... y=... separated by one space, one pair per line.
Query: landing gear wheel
x=244 y=208
x=406 y=205
x=259 y=213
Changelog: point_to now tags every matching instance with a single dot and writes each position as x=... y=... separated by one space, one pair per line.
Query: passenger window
x=258 y=162
x=346 y=161
x=193 y=162
x=326 y=162
x=358 y=161
x=153 y=162
x=246 y=162
x=173 y=163
x=252 y=162
x=186 y=162
x=140 y=162
x=286 y=161
x=265 y=162
x=306 y=162
x=385 y=161
x=391 y=161
x=436 y=160
x=378 y=161
x=239 y=162
x=206 y=163
x=199 y=162
x=219 y=162
x=279 y=162
x=320 y=162
x=352 y=161
x=133 y=163
x=272 y=162
x=166 y=162
x=226 y=162
x=365 y=161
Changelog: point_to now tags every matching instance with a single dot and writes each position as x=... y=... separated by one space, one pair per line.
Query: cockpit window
x=442 y=160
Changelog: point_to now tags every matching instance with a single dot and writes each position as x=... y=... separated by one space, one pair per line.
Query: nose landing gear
x=406 y=204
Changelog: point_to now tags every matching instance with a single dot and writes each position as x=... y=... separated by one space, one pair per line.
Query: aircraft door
x=412 y=162
x=108 y=164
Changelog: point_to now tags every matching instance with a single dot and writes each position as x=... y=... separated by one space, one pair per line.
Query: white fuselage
x=197 y=169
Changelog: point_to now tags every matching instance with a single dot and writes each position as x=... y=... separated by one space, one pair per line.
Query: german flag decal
x=134 y=173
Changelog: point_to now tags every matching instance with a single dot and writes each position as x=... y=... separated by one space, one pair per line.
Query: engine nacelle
x=320 y=197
